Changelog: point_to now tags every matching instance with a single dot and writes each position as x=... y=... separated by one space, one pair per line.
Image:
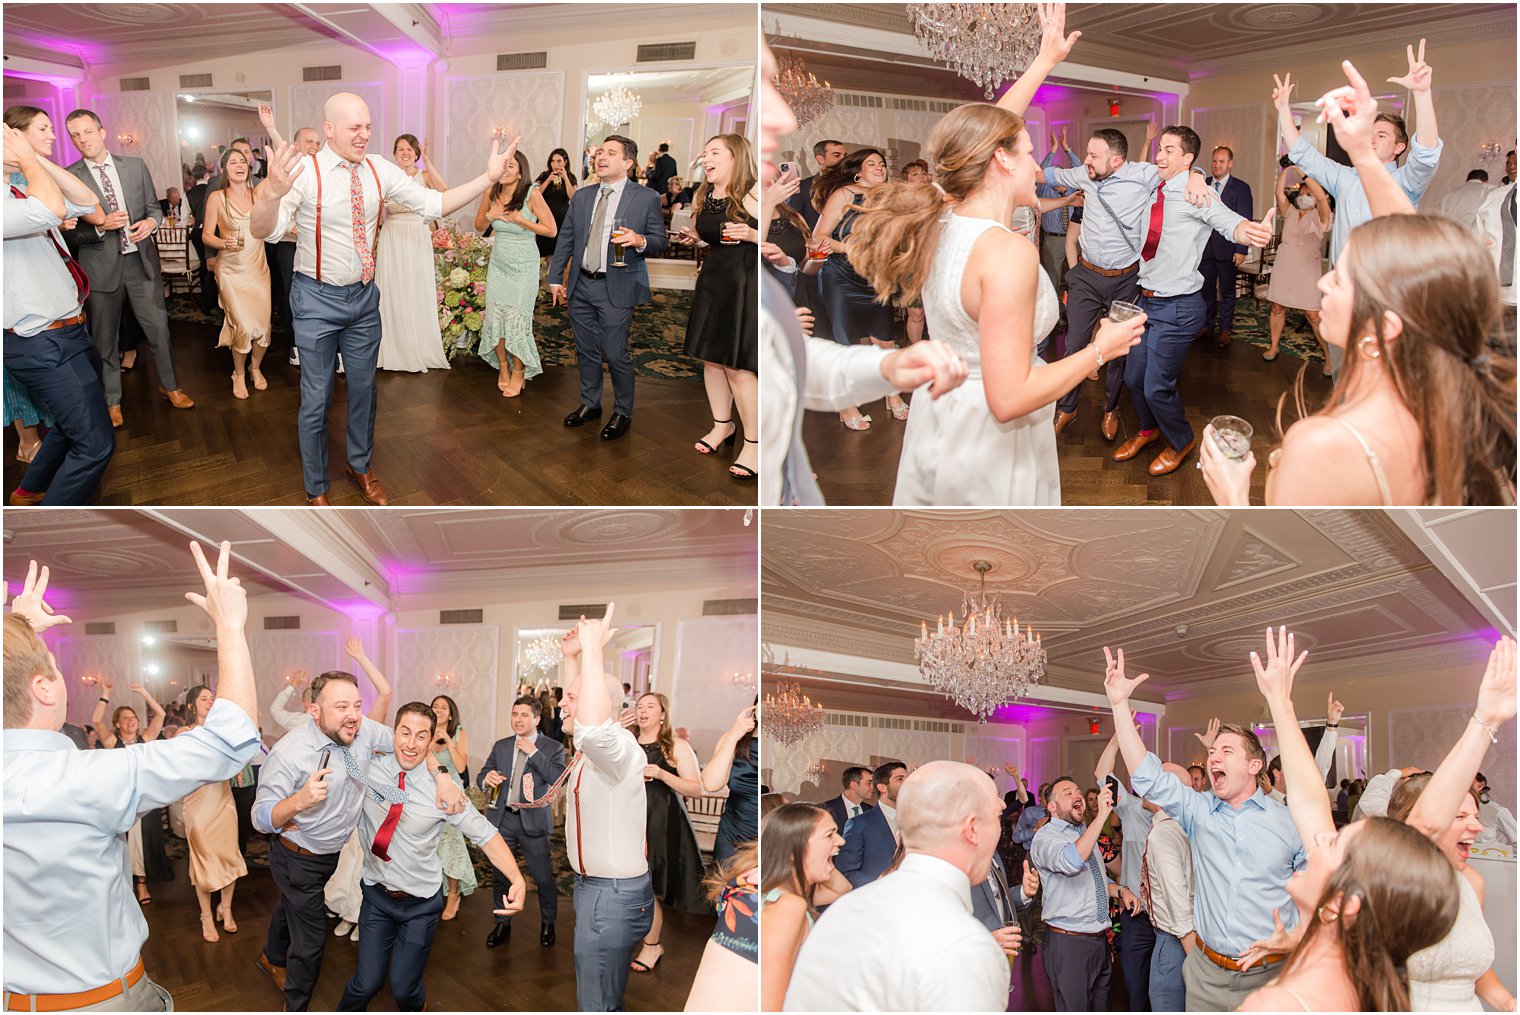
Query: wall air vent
x=522 y=61
x=662 y=52
x=730 y=607
x=135 y=84
x=461 y=616
x=574 y=612
x=282 y=623
x=161 y=627
x=332 y=73
x=99 y=627
x=195 y=80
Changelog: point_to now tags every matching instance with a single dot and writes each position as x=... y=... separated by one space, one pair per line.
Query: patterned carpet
x=1251 y=325
x=659 y=333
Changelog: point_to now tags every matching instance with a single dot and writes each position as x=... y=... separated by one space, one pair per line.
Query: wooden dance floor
x=445 y=437
x=861 y=468
x=462 y=974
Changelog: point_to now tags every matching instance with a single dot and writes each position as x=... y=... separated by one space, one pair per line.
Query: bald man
x=909 y=939
x=333 y=198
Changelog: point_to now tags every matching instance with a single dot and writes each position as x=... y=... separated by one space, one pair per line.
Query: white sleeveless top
x=1444 y=976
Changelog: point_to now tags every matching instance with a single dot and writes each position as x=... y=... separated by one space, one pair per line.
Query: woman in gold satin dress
x=211 y=827
x=242 y=274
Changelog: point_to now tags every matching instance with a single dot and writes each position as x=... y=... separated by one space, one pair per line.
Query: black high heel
x=708 y=449
x=745 y=473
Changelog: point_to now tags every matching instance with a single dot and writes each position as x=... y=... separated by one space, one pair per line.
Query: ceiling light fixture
x=987 y=44
x=985 y=662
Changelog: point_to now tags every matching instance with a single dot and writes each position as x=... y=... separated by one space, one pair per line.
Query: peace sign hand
x=225 y=599
x=1417 y=79
x=1283 y=91
x=29 y=602
x=1119 y=687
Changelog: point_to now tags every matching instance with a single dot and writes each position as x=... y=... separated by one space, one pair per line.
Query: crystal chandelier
x=544 y=654
x=618 y=106
x=985 y=662
x=987 y=44
x=789 y=715
x=808 y=99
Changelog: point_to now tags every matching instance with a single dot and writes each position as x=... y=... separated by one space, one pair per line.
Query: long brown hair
x=841 y=175
x=520 y=190
x=1407 y=793
x=116 y=721
x=892 y=242
x=739 y=185
x=453 y=724
x=666 y=738
x=1409 y=902
x=742 y=862
x=1433 y=274
x=784 y=835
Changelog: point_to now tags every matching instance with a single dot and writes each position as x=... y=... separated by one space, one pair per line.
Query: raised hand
x=1011 y=770
x=1055 y=44
x=266 y=115
x=1105 y=801
x=106 y=687
x=1209 y=735
x=1334 y=710
x=1350 y=111
x=743 y=722
x=355 y=649
x=1496 y=694
x=570 y=644
x=597 y=632
x=29 y=602
x=1282 y=91
x=1151 y=130
x=298 y=679
x=284 y=166
x=1417 y=79
x=1116 y=684
x=1275 y=676
x=1064 y=143
x=496 y=164
x=225 y=599
x=1031 y=882
x=427 y=155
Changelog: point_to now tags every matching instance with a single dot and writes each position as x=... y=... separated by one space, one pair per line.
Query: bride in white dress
x=409 y=335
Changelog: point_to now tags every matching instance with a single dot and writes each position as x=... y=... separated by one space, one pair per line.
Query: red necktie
x=1153 y=236
x=81 y=283
x=382 y=841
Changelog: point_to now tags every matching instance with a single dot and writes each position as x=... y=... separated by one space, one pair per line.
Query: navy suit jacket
x=639 y=208
x=547 y=764
x=841 y=812
x=802 y=202
x=869 y=846
x=1237 y=198
x=984 y=896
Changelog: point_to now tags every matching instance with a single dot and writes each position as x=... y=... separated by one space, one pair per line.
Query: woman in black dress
x=735 y=766
x=851 y=302
x=675 y=860
x=723 y=330
x=784 y=252
x=557 y=185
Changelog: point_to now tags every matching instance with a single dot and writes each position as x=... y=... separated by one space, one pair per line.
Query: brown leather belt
x=1075 y=933
x=1106 y=272
x=64 y=1002
x=296 y=849
x=398 y=895
x=1148 y=293
x=1233 y=964
x=67 y=322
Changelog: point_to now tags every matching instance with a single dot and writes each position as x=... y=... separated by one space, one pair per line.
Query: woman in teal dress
x=517 y=212
x=452 y=748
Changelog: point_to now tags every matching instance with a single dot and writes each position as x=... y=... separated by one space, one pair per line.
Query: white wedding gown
x=410 y=338
x=954 y=451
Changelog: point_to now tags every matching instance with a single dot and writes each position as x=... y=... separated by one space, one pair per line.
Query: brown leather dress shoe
x=369 y=486
x=1062 y=419
x=1224 y=338
x=1207 y=334
x=276 y=973
x=320 y=500
x=176 y=398
x=115 y=411
x=1111 y=424
x=19 y=499
x=1169 y=459
x=1132 y=447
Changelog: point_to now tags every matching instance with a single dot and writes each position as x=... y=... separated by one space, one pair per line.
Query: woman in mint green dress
x=517 y=212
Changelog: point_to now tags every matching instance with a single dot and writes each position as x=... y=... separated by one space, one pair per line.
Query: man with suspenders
x=334 y=199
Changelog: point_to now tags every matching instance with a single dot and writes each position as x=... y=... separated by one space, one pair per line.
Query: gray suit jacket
x=99 y=254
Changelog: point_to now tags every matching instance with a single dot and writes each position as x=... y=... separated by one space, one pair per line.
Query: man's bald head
x=346 y=124
x=307 y=140
x=951 y=810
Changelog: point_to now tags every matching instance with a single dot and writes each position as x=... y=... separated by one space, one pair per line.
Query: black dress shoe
x=582 y=415
x=546 y=935
x=498 y=935
x=616 y=426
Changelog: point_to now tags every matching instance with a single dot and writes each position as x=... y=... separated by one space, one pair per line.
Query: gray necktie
x=383 y=792
x=596 y=250
x=514 y=785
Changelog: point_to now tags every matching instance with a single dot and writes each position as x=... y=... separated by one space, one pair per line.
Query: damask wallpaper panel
x=460 y=661
x=526 y=104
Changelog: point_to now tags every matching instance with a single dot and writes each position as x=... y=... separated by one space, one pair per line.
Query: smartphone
x=326 y=753
x=788 y=167
x=1113 y=787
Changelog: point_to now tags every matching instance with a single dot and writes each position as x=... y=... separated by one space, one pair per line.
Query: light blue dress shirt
x=1031 y=815
x=1106 y=241
x=71 y=921
x=1173 y=270
x=414 y=866
x=327 y=826
x=38 y=287
x=1343 y=184
x=1052 y=223
x=1242 y=859
x=1137 y=827
x=1076 y=890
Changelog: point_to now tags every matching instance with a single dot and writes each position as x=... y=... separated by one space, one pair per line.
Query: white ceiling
x=1186 y=592
x=395 y=558
x=673 y=86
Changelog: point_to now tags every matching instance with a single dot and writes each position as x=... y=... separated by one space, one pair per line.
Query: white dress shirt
x=38 y=287
x=340 y=260
x=606 y=812
x=414 y=866
x=1169 y=863
x=109 y=165
x=280 y=710
x=909 y=942
x=890 y=813
x=326 y=827
x=1463 y=203
x=71 y=921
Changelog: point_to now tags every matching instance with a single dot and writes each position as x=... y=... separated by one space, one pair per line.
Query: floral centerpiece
x=459 y=260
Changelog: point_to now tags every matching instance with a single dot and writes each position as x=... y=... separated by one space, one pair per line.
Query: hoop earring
x=1368 y=347
x=1320 y=913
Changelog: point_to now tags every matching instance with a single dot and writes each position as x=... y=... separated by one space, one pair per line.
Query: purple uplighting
x=1023 y=713
x=357 y=609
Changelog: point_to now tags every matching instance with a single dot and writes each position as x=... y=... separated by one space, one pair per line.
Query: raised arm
x=1055 y=46
x=596 y=705
x=382 y=707
x=1442 y=796
x=39 y=182
x=715 y=775
x=434 y=177
x=1282 y=99
x=1417 y=80
x=456 y=198
x=1089 y=838
x=106 y=734
x=1308 y=801
x=227 y=604
x=155 y=710
x=1321 y=200
x=1282 y=193
x=1119 y=688
x=1351 y=111
x=1105 y=766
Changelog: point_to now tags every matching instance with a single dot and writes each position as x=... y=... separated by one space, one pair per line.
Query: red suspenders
x=317 y=171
